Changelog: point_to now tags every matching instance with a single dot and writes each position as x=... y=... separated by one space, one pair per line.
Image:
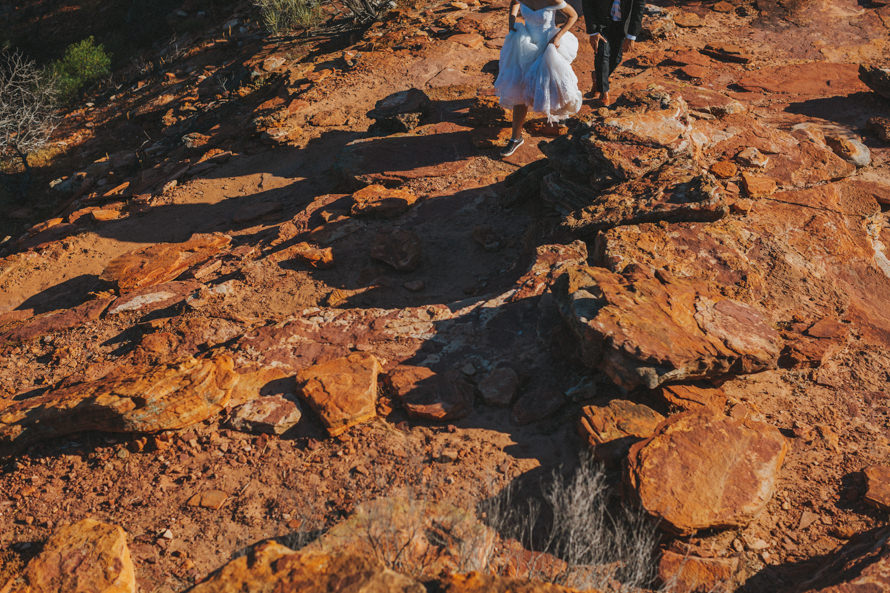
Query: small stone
x=752 y=157
x=851 y=150
x=486 y=138
x=270 y=414
x=414 y=285
x=379 y=200
x=209 y=499
x=499 y=387
x=167 y=534
x=724 y=169
x=684 y=573
x=486 y=237
x=471 y=40
x=399 y=249
x=690 y=397
x=758 y=186
x=807 y=518
x=541 y=127
x=317 y=257
x=688 y=20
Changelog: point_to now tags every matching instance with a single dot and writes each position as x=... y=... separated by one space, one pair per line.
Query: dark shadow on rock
x=851 y=110
x=67 y=294
x=822 y=571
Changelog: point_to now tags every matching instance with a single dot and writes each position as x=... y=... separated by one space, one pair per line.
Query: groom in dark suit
x=612 y=27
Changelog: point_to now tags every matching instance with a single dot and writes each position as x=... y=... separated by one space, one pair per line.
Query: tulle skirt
x=536 y=73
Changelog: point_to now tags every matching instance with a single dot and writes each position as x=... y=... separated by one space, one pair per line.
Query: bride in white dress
x=536 y=65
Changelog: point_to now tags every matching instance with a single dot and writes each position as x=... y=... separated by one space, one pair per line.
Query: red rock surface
x=704 y=470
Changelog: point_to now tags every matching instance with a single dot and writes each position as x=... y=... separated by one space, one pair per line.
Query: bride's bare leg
x=519 y=113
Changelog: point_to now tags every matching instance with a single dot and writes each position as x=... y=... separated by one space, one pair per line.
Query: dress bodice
x=542 y=19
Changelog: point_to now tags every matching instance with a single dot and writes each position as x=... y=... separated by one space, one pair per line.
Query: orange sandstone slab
x=131 y=399
x=86 y=557
x=343 y=391
x=703 y=470
x=162 y=262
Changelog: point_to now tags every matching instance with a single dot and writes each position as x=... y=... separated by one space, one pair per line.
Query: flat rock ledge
x=644 y=328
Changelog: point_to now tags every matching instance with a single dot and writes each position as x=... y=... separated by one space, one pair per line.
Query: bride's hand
x=555 y=40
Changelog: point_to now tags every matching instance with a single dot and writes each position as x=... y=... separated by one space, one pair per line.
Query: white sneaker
x=511 y=147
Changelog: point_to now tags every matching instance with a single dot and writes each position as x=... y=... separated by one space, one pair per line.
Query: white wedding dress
x=534 y=72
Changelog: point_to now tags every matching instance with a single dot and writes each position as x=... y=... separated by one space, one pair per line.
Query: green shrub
x=82 y=63
x=279 y=16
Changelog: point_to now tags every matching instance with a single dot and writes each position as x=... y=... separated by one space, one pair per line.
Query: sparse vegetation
x=366 y=11
x=577 y=538
x=83 y=63
x=27 y=116
x=281 y=16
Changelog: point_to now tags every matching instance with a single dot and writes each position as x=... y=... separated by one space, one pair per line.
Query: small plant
x=281 y=16
x=367 y=11
x=27 y=115
x=82 y=63
x=573 y=536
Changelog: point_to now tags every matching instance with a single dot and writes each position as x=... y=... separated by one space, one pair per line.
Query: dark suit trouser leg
x=608 y=55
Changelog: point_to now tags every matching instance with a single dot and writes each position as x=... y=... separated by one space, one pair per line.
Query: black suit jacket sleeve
x=598 y=15
x=635 y=17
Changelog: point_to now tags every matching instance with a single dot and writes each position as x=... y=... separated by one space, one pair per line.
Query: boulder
x=677 y=192
x=429 y=395
x=877 y=484
x=399 y=249
x=636 y=163
x=130 y=399
x=86 y=557
x=877 y=77
x=499 y=387
x=161 y=262
x=643 y=131
x=703 y=470
x=343 y=391
x=644 y=329
x=272 y=414
x=400 y=112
